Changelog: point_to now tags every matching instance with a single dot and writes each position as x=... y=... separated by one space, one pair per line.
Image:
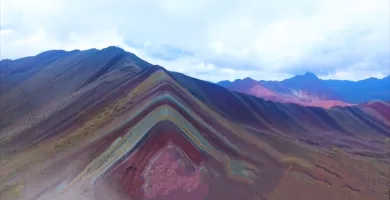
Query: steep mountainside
x=377 y=109
x=111 y=126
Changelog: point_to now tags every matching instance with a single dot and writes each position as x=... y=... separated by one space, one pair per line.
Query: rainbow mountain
x=104 y=124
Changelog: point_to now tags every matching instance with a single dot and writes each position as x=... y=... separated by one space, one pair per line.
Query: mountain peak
x=310 y=75
x=224 y=83
x=248 y=79
x=113 y=48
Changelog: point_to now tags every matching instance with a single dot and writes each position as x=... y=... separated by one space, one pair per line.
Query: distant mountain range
x=309 y=90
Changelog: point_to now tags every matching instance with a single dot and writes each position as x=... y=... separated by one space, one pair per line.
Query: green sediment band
x=130 y=140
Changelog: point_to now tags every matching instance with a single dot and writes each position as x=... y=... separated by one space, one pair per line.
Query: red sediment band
x=129 y=173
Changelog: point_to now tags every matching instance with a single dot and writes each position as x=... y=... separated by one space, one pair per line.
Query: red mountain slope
x=250 y=86
x=285 y=95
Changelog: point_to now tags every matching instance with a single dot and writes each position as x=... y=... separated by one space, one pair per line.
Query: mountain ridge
x=308 y=74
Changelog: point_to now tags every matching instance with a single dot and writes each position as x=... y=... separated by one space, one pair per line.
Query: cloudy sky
x=212 y=39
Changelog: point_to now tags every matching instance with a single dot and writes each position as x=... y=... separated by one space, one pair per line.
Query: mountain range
x=309 y=90
x=105 y=124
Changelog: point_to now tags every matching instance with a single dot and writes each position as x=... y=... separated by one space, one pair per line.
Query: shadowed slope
x=378 y=109
x=161 y=135
x=260 y=113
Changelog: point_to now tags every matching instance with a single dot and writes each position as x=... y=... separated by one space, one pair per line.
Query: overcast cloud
x=212 y=39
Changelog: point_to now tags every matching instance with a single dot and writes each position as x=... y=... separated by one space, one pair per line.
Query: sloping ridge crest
x=133 y=138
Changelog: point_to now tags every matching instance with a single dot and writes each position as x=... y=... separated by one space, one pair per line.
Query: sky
x=212 y=40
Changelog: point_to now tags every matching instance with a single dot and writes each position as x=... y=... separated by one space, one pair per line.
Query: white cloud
x=224 y=39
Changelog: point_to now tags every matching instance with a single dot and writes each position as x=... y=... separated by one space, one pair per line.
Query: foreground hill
x=117 y=127
x=309 y=90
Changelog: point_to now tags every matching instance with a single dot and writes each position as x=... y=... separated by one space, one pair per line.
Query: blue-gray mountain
x=354 y=92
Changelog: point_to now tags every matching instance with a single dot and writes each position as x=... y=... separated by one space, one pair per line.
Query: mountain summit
x=307 y=76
